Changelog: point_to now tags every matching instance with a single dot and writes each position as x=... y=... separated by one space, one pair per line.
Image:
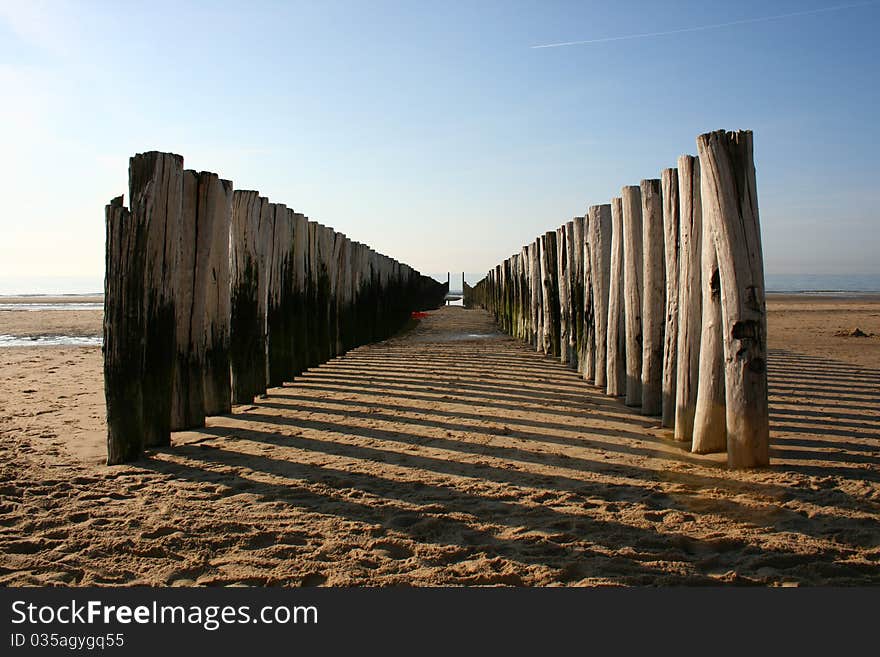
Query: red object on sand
x=416 y=314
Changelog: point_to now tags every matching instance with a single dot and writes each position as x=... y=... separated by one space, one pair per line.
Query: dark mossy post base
x=211 y=295
x=658 y=298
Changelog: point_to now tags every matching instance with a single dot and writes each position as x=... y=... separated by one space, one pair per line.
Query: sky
x=436 y=132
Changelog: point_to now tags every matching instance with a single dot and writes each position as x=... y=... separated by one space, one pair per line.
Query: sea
x=73 y=296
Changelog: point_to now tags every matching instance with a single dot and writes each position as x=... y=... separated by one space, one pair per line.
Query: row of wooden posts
x=212 y=295
x=658 y=297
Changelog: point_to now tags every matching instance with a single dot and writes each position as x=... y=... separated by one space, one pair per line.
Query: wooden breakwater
x=659 y=299
x=214 y=294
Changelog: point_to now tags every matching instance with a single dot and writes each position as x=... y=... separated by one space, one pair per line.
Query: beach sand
x=440 y=458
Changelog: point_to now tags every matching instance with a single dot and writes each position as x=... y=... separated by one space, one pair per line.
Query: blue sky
x=434 y=131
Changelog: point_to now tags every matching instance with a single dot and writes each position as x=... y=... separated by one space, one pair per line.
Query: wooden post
x=201 y=383
x=616 y=336
x=690 y=291
x=300 y=323
x=653 y=293
x=156 y=193
x=247 y=269
x=632 y=284
x=550 y=297
x=279 y=267
x=710 y=424
x=187 y=396
x=571 y=269
x=124 y=330
x=600 y=268
x=730 y=214
x=589 y=342
x=577 y=294
x=536 y=289
x=562 y=282
x=212 y=278
x=671 y=221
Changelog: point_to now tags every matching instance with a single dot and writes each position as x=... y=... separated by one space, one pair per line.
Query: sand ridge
x=437 y=458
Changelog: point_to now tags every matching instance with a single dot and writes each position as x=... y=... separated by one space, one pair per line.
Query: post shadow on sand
x=384 y=381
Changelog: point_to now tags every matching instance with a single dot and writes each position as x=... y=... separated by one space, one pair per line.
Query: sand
x=451 y=455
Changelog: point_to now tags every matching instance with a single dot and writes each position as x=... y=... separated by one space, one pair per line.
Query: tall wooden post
x=562 y=282
x=247 y=268
x=550 y=297
x=577 y=249
x=124 y=328
x=616 y=333
x=653 y=293
x=156 y=193
x=600 y=266
x=710 y=424
x=536 y=291
x=588 y=353
x=632 y=284
x=671 y=221
x=691 y=297
x=571 y=275
x=730 y=204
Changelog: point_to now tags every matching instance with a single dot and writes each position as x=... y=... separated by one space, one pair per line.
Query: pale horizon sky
x=437 y=133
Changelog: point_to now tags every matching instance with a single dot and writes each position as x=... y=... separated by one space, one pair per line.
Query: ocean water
x=51 y=341
x=817 y=283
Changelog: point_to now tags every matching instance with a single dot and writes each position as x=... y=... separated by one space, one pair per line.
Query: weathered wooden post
x=267 y=252
x=124 y=330
x=212 y=276
x=279 y=339
x=550 y=287
x=187 y=396
x=616 y=336
x=577 y=294
x=571 y=269
x=536 y=289
x=671 y=221
x=632 y=284
x=156 y=193
x=710 y=424
x=730 y=214
x=653 y=293
x=562 y=282
x=201 y=383
x=247 y=268
x=588 y=351
x=691 y=295
x=300 y=321
x=600 y=267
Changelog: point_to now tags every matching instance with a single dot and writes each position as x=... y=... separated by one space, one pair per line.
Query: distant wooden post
x=710 y=424
x=550 y=300
x=562 y=282
x=300 y=308
x=632 y=284
x=671 y=221
x=653 y=297
x=124 y=330
x=156 y=193
x=600 y=266
x=691 y=297
x=616 y=335
x=730 y=213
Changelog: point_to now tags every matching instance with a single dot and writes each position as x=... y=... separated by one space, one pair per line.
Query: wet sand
x=441 y=458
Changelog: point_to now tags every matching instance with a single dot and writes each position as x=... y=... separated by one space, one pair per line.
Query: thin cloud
x=700 y=28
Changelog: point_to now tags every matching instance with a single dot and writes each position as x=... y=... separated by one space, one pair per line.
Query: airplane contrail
x=700 y=28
